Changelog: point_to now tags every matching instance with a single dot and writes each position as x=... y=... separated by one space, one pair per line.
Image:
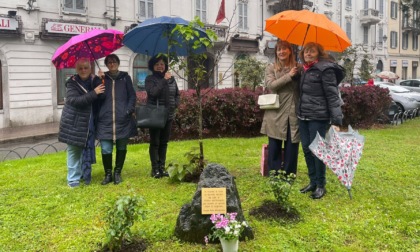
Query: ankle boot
x=119 y=164
x=319 y=192
x=308 y=188
x=155 y=172
x=107 y=162
x=162 y=171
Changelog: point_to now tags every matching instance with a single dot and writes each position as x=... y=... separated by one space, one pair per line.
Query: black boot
x=319 y=192
x=155 y=172
x=119 y=164
x=308 y=188
x=162 y=171
x=107 y=162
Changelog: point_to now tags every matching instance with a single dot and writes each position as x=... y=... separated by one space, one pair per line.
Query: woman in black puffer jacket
x=116 y=123
x=161 y=88
x=77 y=124
x=319 y=106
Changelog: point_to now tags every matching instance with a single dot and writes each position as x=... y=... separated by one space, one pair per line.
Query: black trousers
x=286 y=161
x=159 y=144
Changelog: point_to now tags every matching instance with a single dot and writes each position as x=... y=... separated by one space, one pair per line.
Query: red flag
x=221 y=13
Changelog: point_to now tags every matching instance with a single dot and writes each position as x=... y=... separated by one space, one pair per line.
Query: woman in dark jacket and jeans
x=161 y=89
x=116 y=123
x=77 y=124
x=319 y=106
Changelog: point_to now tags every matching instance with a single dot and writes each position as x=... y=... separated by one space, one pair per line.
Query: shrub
x=120 y=217
x=189 y=172
x=365 y=105
x=280 y=185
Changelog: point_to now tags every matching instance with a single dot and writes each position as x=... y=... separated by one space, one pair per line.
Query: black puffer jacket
x=117 y=104
x=77 y=111
x=318 y=94
x=166 y=91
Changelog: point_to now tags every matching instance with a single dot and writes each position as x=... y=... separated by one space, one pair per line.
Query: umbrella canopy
x=387 y=75
x=301 y=27
x=341 y=152
x=93 y=45
x=153 y=35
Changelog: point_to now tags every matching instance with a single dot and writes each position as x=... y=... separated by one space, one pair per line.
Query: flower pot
x=229 y=246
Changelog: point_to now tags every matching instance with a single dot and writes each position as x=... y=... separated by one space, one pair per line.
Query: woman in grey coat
x=116 y=123
x=281 y=125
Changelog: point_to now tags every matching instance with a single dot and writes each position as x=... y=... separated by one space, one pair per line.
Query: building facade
x=32 y=89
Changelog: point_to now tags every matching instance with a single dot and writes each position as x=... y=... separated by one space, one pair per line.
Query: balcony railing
x=411 y=25
x=221 y=31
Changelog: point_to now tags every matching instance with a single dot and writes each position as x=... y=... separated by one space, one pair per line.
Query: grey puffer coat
x=117 y=104
x=77 y=111
x=318 y=94
x=275 y=121
x=164 y=91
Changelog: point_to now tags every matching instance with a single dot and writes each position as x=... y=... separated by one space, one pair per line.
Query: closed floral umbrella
x=341 y=152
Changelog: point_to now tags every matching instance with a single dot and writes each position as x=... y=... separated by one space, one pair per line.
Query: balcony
x=220 y=30
x=410 y=25
x=274 y=5
x=369 y=17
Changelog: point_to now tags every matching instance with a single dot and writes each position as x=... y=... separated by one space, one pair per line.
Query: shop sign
x=69 y=28
x=8 y=23
x=393 y=63
x=405 y=63
x=415 y=63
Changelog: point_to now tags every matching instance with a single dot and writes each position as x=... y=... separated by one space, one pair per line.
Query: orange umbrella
x=301 y=27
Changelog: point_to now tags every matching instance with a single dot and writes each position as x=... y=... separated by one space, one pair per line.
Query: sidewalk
x=29 y=133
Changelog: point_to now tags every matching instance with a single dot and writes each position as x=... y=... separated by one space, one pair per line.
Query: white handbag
x=269 y=101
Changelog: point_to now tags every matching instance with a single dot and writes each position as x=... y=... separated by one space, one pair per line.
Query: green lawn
x=38 y=212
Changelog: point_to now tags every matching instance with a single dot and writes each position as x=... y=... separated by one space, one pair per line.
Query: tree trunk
x=200 y=126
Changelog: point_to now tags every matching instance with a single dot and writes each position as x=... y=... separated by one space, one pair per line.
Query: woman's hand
x=100 y=89
x=101 y=74
x=336 y=128
x=167 y=76
x=293 y=71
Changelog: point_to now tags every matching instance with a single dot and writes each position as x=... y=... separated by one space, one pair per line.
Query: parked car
x=413 y=85
x=404 y=98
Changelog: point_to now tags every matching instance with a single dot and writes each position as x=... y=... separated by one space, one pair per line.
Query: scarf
x=306 y=66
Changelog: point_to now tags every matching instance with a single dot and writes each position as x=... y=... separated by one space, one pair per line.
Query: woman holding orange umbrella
x=319 y=106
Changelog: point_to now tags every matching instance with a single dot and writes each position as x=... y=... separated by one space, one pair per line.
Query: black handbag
x=151 y=116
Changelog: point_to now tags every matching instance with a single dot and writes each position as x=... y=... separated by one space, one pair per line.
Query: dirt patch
x=273 y=211
x=136 y=245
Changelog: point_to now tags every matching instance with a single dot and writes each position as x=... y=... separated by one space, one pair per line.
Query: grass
x=38 y=212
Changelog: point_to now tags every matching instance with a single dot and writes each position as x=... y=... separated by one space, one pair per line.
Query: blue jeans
x=108 y=145
x=316 y=168
x=74 y=163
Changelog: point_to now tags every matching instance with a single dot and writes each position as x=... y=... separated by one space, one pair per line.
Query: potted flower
x=227 y=229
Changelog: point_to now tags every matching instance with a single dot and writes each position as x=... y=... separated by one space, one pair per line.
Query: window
x=366 y=4
x=405 y=19
x=140 y=71
x=1 y=89
x=415 y=83
x=145 y=9
x=394 y=10
x=201 y=10
x=348 y=4
x=404 y=73
x=381 y=7
x=78 y=6
x=405 y=41
x=394 y=39
x=62 y=76
x=415 y=42
x=365 y=35
x=381 y=36
x=348 y=29
x=243 y=15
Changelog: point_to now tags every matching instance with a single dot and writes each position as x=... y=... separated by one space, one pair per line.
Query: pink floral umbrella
x=93 y=45
x=341 y=152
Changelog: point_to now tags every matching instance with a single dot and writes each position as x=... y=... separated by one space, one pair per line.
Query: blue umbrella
x=152 y=36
